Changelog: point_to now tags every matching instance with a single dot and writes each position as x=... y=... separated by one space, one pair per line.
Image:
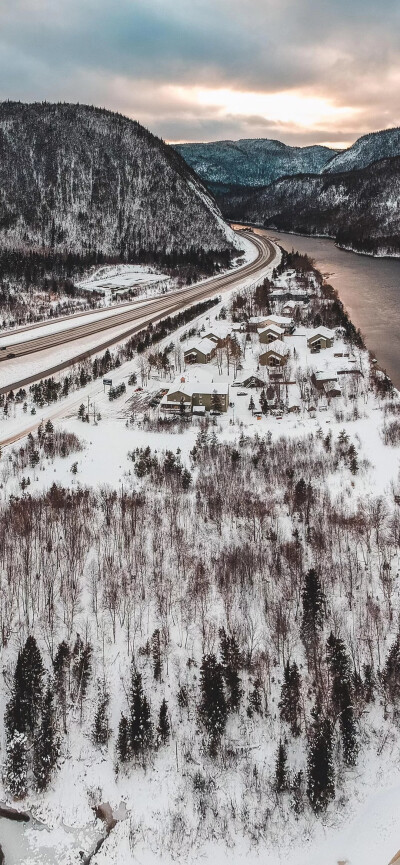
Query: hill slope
x=361 y=209
x=252 y=161
x=77 y=178
x=364 y=151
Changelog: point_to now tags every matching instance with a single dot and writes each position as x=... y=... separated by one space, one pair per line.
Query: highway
x=22 y=343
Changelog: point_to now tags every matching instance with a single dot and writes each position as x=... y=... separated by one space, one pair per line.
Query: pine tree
x=313 y=599
x=231 y=662
x=341 y=696
x=61 y=669
x=81 y=668
x=391 y=672
x=27 y=696
x=320 y=774
x=255 y=701
x=163 y=728
x=101 y=729
x=16 y=766
x=281 y=773
x=140 y=726
x=251 y=403
x=46 y=744
x=123 y=746
x=289 y=705
x=156 y=654
x=213 y=709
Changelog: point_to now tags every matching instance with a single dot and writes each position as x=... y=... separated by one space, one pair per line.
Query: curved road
x=145 y=311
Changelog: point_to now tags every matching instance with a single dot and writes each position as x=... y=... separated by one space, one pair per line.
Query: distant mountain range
x=252 y=161
x=351 y=195
x=75 y=179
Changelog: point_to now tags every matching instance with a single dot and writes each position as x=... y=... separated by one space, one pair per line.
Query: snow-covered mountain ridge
x=76 y=178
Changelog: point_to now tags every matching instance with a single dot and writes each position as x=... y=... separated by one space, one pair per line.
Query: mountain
x=252 y=161
x=367 y=149
x=360 y=209
x=76 y=178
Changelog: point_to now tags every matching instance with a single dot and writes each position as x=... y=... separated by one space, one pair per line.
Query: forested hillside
x=252 y=161
x=81 y=180
x=360 y=209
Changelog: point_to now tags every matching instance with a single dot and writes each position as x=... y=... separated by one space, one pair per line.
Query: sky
x=302 y=71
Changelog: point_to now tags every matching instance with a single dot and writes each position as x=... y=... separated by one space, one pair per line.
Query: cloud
x=149 y=59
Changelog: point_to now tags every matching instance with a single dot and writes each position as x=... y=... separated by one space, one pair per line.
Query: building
x=321 y=337
x=196 y=397
x=201 y=351
x=276 y=354
x=282 y=321
x=271 y=332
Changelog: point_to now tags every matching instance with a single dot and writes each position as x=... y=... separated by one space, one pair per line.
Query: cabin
x=289 y=308
x=200 y=352
x=276 y=354
x=320 y=338
x=283 y=321
x=196 y=397
x=332 y=389
x=271 y=332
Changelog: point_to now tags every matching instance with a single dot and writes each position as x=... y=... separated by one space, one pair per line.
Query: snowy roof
x=325 y=375
x=322 y=331
x=280 y=320
x=206 y=346
x=278 y=347
x=291 y=304
x=274 y=327
x=197 y=385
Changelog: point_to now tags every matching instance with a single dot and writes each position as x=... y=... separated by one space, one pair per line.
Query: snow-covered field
x=237 y=818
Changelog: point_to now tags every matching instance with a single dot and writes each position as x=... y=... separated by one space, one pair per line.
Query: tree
x=341 y=697
x=46 y=744
x=255 y=701
x=231 y=662
x=81 y=667
x=289 y=705
x=281 y=773
x=213 y=709
x=163 y=728
x=140 y=726
x=251 y=403
x=61 y=668
x=123 y=745
x=16 y=766
x=156 y=654
x=216 y=401
x=82 y=411
x=101 y=728
x=320 y=774
x=24 y=707
x=313 y=599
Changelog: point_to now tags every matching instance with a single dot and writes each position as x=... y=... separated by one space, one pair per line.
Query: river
x=368 y=287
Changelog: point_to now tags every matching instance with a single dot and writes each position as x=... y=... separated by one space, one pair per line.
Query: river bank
x=368 y=287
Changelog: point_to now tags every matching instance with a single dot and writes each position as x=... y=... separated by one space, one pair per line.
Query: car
x=153 y=403
x=11 y=355
x=242 y=393
x=137 y=389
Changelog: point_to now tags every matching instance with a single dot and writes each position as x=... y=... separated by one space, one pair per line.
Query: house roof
x=271 y=327
x=206 y=346
x=189 y=388
x=280 y=320
x=325 y=332
x=325 y=375
x=277 y=347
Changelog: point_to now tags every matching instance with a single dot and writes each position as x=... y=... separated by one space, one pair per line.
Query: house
x=282 y=321
x=276 y=354
x=253 y=381
x=321 y=337
x=195 y=397
x=289 y=307
x=322 y=377
x=200 y=352
x=332 y=389
x=271 y=332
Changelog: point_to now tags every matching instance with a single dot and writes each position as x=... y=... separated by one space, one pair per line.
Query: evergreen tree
x=320 y=775
x=140 y=726
x=81 y=668
x=281 y=773
x=255 y=701
x=46 y=744
x=101 y=729
x=313 y=599
x=391 y=672
x=61 y=670
x=163 y=728
x=26 y=701
x=123 y=746
x=341 y=696
x=156 y=654
x=251 y=403
x=289 y=705
x=231 y=662
x=16 y=766
x=213 y=709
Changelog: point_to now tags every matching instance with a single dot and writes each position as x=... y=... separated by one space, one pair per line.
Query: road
x=144 y=312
